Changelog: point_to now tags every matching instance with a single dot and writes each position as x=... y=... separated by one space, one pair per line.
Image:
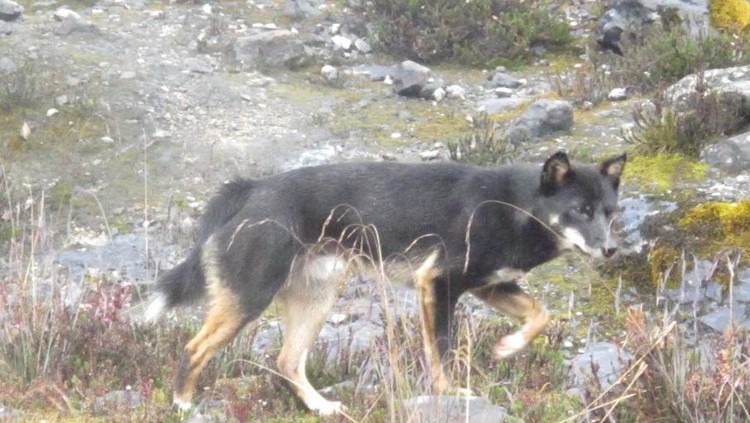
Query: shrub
x=480 y=33
x=656 y=58
x=666 y=131
x=482 y=146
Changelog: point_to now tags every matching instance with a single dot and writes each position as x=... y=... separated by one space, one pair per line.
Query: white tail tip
x=155 y=307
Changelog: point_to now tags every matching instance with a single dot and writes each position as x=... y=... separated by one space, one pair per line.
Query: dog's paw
x=462 y=392
x=328 y=408
x=182 y=405
x=509 y=345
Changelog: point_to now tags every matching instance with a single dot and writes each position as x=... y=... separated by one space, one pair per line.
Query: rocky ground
x=142 y=108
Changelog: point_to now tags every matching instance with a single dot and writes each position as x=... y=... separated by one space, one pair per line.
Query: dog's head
x=580 y=203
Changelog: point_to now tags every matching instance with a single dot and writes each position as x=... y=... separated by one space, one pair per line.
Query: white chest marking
x=506 y=274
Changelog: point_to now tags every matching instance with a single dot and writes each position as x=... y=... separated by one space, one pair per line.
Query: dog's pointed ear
x=555 y=172
x=613 y=168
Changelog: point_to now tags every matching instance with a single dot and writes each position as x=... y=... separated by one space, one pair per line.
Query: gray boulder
x=275 y=48
x=73 y=24
x=500 y=79
x=6 y=28
x=629 y=17
x=450 y=409
x=730 y=154
x=303 y=8
x=410 y=78
x=10 y=10
x=608 y=359
x=542 y=118
x=7 y=66
x=731 y=84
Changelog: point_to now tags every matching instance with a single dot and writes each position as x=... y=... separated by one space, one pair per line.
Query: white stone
x=617 y=94
x=455 y=91
x=341 y=42
x=329 y=72
x=62 y=13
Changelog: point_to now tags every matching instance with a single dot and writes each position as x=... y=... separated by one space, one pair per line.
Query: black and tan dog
x=447 y=229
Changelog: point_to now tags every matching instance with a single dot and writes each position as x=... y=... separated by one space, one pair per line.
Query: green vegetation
x=479 y=33
x=653 y=59
x=482 y=146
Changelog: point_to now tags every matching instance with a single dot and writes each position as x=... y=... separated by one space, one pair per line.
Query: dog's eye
x=586 y=210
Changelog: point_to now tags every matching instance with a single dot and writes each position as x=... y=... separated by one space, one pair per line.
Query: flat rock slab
x=450 y=409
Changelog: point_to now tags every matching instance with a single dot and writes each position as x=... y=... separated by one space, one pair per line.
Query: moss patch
x=718 y=225
x=662 y=260
x=663 y=172
x=732 y=15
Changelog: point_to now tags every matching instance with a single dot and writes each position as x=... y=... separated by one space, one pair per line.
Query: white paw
x=510 y=345
x=328 y=408
x=463 y=392
x=182 y=405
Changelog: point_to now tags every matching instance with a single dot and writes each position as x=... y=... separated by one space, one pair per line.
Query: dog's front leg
x=511 y=300
x=436 y=307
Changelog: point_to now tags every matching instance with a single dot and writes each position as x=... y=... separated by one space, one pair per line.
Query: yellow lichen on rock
x=719 y=224
x=731 y=15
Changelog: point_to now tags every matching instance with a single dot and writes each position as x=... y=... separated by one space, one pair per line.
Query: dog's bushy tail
x=186 y=282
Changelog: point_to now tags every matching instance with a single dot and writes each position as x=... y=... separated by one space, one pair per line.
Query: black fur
x=461 y=228
x=261 y=226
x=186 y=283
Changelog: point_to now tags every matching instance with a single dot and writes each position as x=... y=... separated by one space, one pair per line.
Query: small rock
x=429 y=155
x=503 y=92
x=455 y=91
x=438 y=94
x=329 y=72
x=617 y=94
x=64 y=13
x=160 y=134
x=207 y=9
x=62 y=100
x=500 y=79
x=51 y=112
x=338 y=318
x=362 y=45
x=25 y=131
x=497 y=105
x=127 y=75
x=410 y=78
x=341 y=42
x=541 y=119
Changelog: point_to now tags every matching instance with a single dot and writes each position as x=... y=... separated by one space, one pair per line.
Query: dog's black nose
x=609 y=252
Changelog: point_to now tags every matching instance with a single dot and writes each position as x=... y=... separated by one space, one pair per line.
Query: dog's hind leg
x=305 y=302
x=224 y=320
x=510 y=299
x=237 y=297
